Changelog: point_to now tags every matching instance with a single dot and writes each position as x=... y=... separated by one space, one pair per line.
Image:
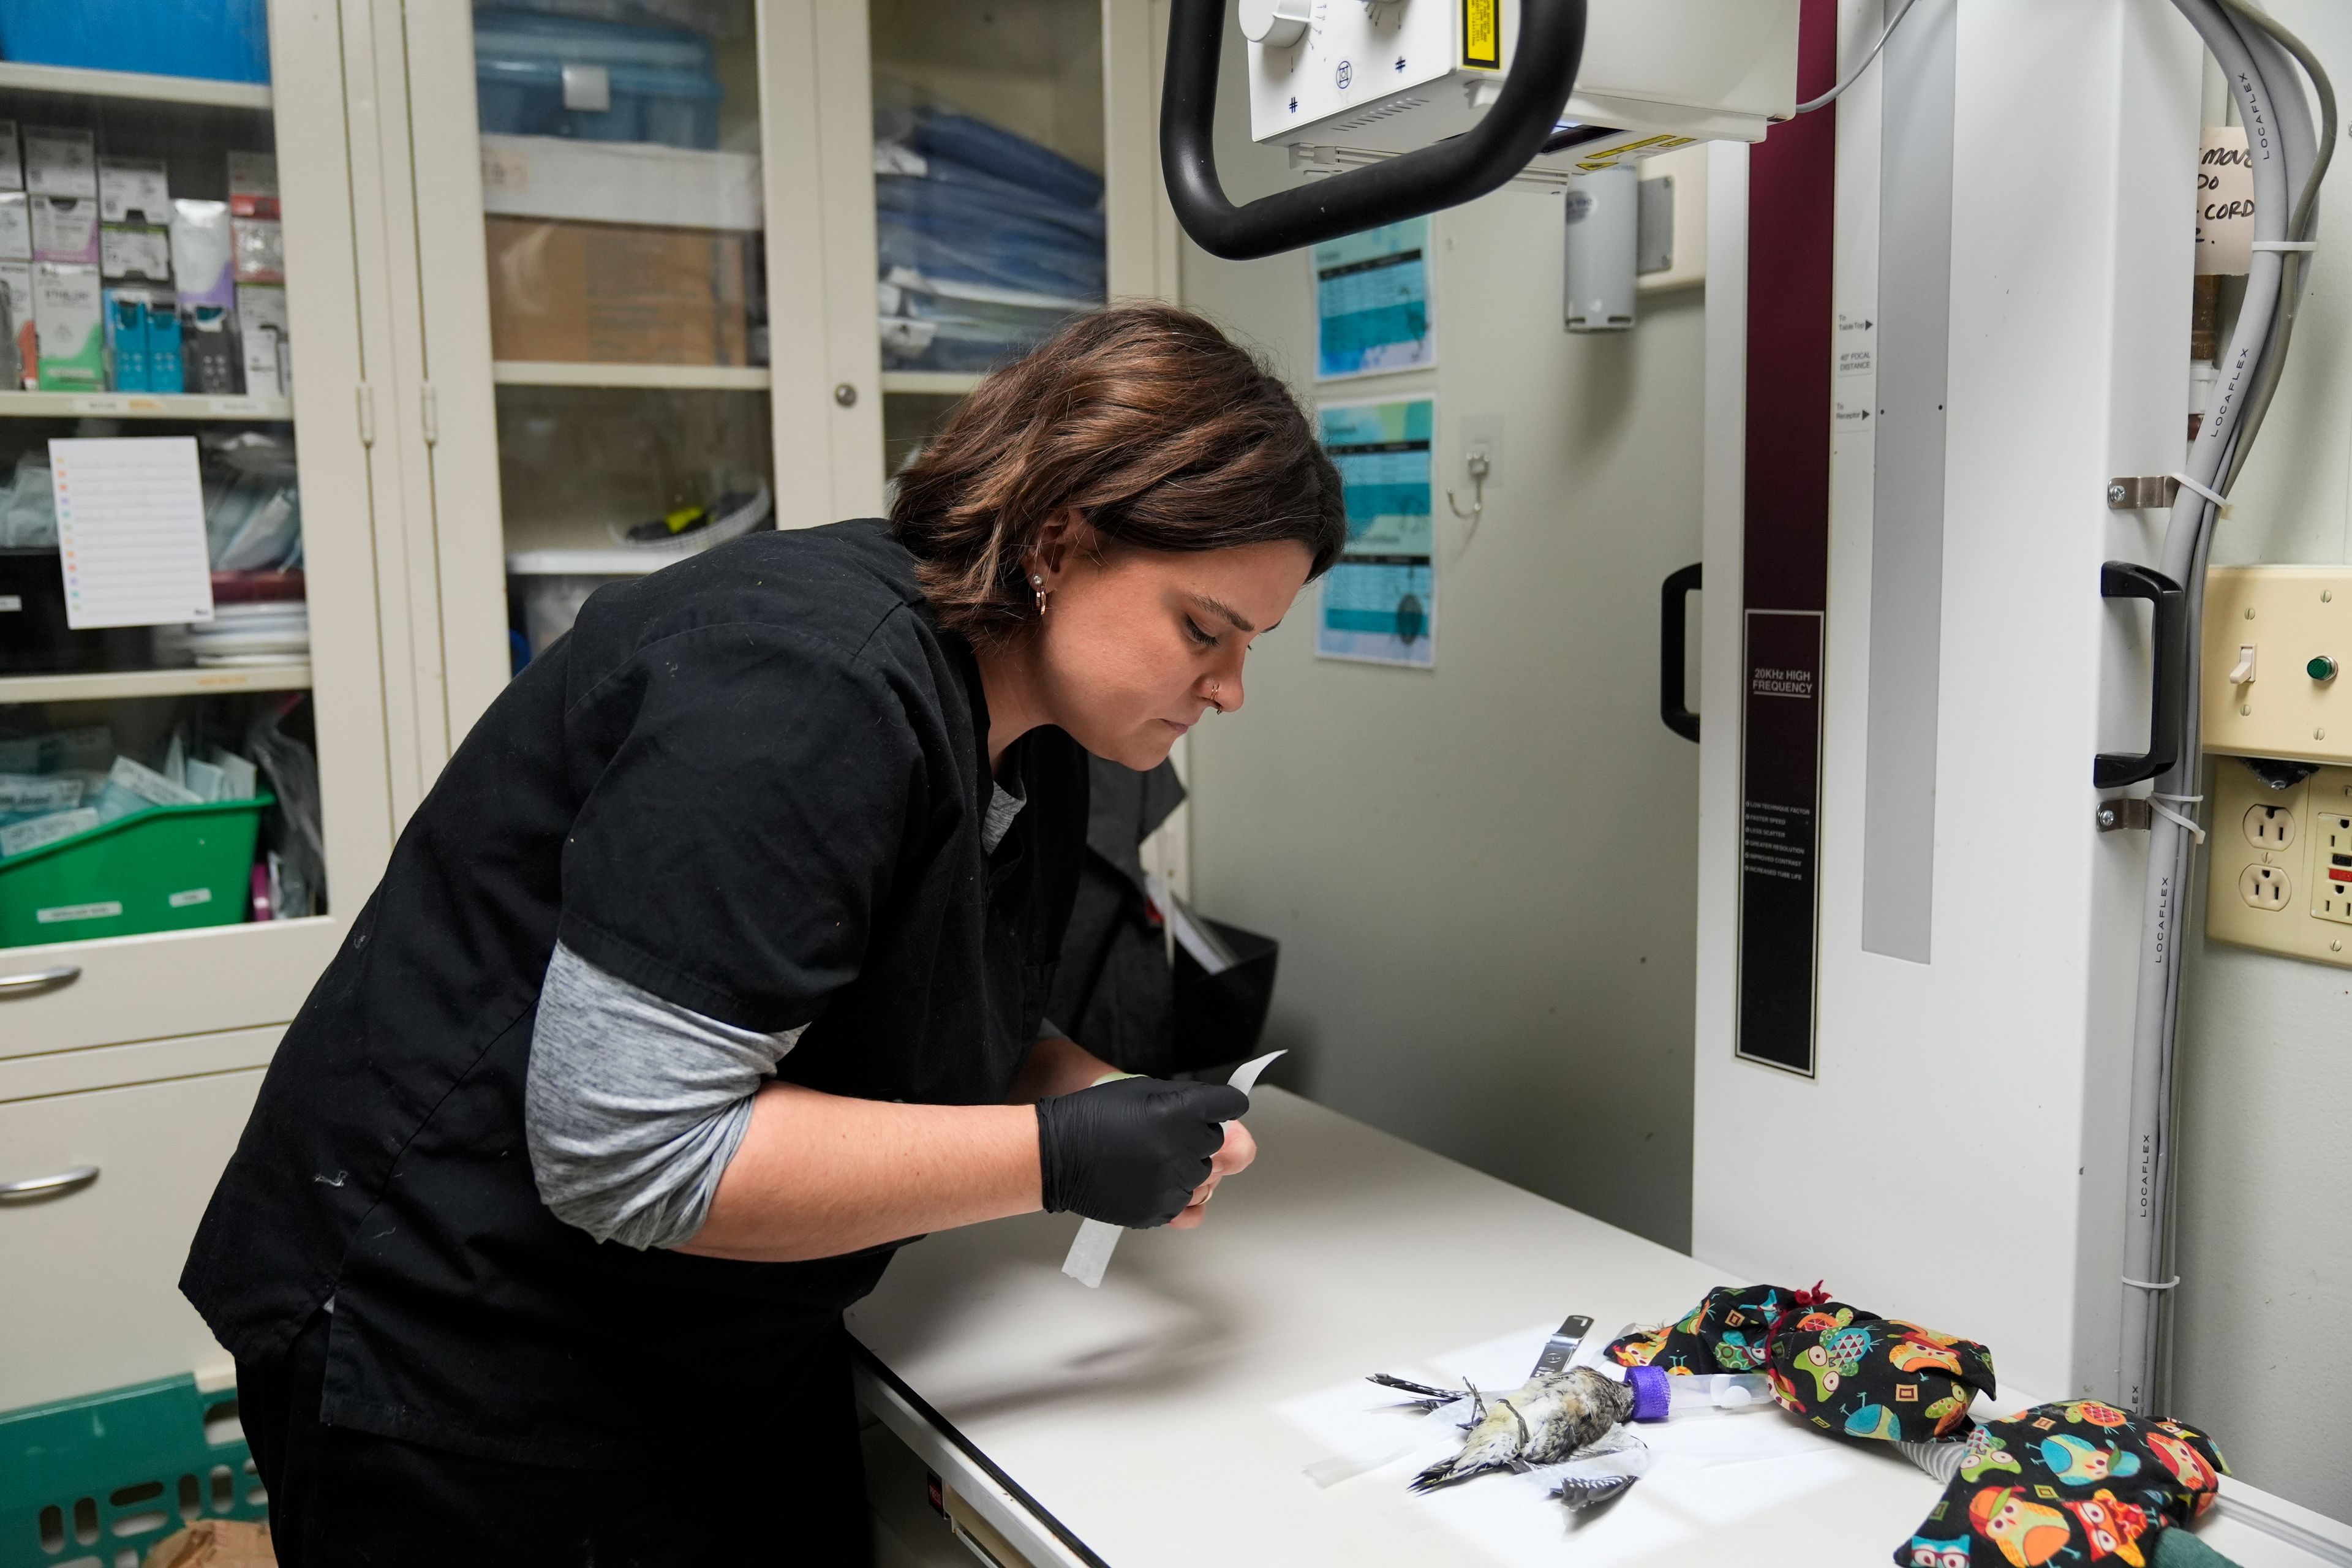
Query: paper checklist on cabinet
x=131 y=532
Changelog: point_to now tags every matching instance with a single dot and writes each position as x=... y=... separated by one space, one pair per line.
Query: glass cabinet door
x=616 y=275
x=178 y=760
x=990 y=219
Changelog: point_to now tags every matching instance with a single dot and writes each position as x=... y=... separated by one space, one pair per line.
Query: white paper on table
x=1706 y=1471
x=1090 y=1251
x=131 y=531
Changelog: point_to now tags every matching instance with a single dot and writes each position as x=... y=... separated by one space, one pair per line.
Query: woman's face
x=1136 y=645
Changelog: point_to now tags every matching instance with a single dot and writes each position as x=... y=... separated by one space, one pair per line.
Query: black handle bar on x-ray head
x=1460 y=169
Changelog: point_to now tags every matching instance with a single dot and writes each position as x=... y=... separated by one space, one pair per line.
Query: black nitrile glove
x=1129 y=1152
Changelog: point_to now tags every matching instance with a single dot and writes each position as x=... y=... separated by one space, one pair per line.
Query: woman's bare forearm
x=1056 y=1065
x=818 y=1176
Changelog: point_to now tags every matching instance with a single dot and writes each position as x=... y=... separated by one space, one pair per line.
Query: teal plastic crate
x=94 y=1482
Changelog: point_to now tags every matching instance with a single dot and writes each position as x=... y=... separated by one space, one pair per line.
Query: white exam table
x=1146 y=1424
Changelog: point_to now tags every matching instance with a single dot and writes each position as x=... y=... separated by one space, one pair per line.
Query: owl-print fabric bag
x=1843 y=1369
x=2075 y=1483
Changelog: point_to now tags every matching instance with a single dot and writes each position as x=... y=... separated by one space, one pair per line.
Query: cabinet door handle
x=53 y=1186
x=36 y=980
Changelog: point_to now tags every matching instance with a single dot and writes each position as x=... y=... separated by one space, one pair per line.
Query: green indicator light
x=2321 y=667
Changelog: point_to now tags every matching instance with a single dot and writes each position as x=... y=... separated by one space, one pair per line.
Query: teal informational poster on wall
x=1371 y=302
x=1379 y=603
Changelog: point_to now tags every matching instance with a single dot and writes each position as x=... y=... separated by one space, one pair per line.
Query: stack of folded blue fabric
x=988 y=241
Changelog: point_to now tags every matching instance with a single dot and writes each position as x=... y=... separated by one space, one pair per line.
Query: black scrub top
x=753 y=784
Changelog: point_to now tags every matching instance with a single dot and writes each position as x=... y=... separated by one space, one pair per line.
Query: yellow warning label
x=1648 y=145
x=1481 y=34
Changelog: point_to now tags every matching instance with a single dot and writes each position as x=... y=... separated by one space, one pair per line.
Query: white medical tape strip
x=2145 y=1285
x=1090 y=1252
x=2221 y=502
x=2303 y=245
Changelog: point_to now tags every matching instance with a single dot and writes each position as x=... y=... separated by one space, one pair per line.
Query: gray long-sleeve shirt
x=633 y=1105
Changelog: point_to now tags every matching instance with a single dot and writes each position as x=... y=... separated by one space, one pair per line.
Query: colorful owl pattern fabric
x=2071 y=1484
x=1843 y=1369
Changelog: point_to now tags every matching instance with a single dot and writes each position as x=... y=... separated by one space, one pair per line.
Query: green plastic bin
x=169 y=869
x=85 y=1481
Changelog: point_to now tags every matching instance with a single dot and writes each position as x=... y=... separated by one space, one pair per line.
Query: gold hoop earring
x=1038 y=583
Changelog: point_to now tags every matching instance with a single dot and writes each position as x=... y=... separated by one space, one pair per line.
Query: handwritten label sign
x=2225 y=203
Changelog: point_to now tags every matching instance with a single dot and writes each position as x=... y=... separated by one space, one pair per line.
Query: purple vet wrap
x=1651 y=1395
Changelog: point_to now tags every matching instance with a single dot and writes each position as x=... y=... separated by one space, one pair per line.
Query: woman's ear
x=1064 y=534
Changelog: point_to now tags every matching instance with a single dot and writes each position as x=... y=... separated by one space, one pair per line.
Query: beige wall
x=2265 y=1238
x=1482 y=876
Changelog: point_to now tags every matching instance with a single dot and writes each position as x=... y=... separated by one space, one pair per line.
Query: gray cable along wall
x=2258 y=57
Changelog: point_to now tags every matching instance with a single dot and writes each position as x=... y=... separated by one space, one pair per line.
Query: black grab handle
x=1674 y=610
x=1459 y=169
x=2169 y=687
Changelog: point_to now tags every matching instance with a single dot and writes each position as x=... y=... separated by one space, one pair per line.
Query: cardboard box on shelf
x=11 y=158
x=67 y=311
x=615 y=293
x=15 y=226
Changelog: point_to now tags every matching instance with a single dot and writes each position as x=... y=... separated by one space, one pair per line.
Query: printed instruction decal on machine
x=1379 y=603
x=1371 y=302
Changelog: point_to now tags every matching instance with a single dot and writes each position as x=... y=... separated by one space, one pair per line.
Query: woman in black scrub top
x=713 y=969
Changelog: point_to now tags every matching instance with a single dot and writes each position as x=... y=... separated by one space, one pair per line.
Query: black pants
x=341 y=1498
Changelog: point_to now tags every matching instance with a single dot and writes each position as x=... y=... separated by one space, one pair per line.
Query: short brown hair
x=1159 y=429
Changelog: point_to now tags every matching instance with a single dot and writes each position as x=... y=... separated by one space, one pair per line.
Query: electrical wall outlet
x=2276 y=641
x=2282 y=870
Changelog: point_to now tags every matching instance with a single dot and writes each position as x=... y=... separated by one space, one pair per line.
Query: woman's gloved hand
x=1130 y=1151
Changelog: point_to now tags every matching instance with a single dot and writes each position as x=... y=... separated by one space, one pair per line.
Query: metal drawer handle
x=55 y=1186
x=39 y=979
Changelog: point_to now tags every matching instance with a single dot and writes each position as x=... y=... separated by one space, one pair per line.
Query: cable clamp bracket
x=2147 y=1285
x=2221 y=502
x=2142 y=492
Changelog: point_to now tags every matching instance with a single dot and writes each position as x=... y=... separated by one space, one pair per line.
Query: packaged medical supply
x=65 y=228
x=130 y=251
x=200 y=251
x=259 y=245
x=261 y=328
x=67 y=315
x=128 y=368
x=15 y=226
x=11 y=158
x=133 y=190
x=987 y=241
x=23 y=351
x=253 y=184
x=209 y=362
x=61 y=162
x=165 y=372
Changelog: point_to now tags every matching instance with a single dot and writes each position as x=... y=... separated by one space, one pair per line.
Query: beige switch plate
x=2242 y=828
x=2287 y=614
